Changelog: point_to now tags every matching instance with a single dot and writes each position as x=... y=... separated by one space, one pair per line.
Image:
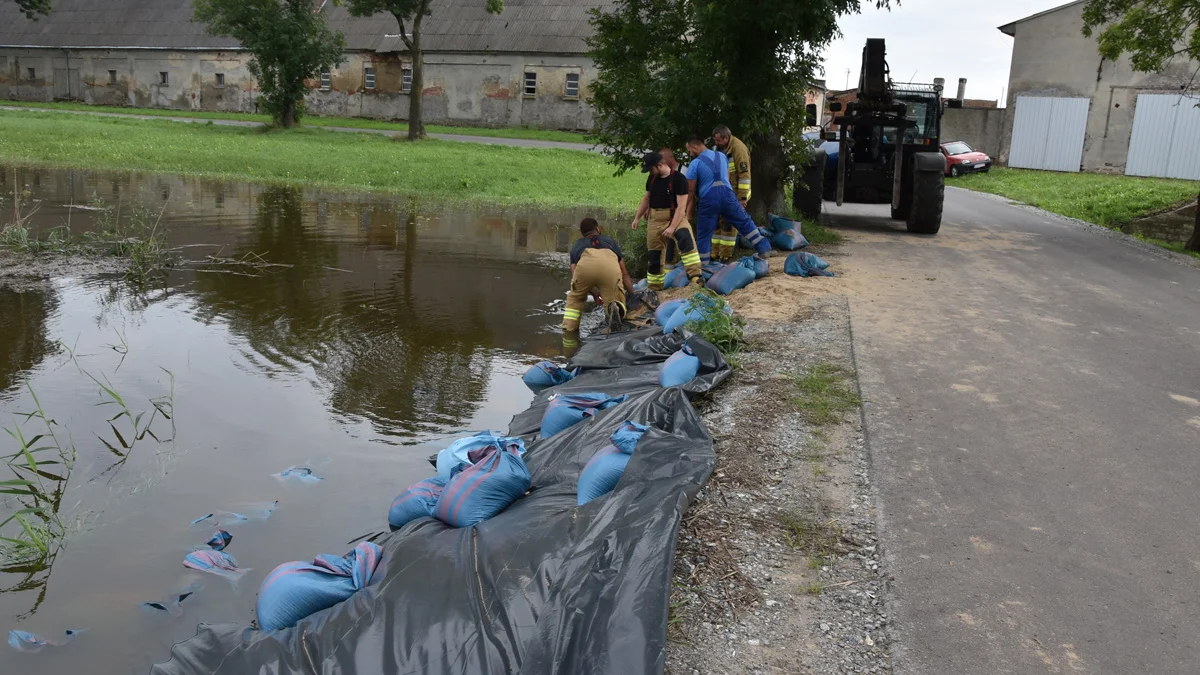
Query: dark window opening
x=572 y=90
x=531 y=84
x=406 y=79
x=369 y=78
x=32 y=74
x=112 y=77
x=810 y=115
x=162 y=77
x=220 y=79
x=326 y=79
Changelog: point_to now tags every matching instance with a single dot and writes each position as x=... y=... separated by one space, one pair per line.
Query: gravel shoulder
x=777 y=568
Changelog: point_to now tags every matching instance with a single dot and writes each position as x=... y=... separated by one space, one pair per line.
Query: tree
x=290 y=43
x=672 y=68
x=412 y=13
x=1153 y=33
x=32 y=8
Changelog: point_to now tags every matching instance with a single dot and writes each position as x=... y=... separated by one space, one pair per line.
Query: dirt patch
x=18 y=270
x=777 y=568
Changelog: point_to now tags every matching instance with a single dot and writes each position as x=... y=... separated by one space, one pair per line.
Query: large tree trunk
x=416 y=126
x=1193 y=244
x=768 y=169
x=287 y=119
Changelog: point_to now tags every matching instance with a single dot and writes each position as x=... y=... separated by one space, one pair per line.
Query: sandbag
x=219 y=563
x=604 y=470
x=730 y=278
x=779 y=224
x=295 y=590
x=756 y=265
x=805 y=264
x=459 y=454
x=789 y=240
x=665 y=310
x=219 y=540
x=641 y=286
x=679 y=369
x=418 y=501
x=545 y=374
x=601 y=474
x=693 y=311
x=483 y=489
x=676 y=278
x=567 y=410
x=711 y=268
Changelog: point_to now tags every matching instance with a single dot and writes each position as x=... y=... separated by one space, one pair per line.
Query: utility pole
x=847 y=78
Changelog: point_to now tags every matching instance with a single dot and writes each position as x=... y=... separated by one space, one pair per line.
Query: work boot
x=614 y=316
x=698 y=282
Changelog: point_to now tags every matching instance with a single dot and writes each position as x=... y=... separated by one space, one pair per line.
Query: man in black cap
x=668 y=232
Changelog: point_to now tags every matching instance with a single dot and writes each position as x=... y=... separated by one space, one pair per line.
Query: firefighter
x=707 y=178
x=596 y=262
x=725 y=237
x=667 y=230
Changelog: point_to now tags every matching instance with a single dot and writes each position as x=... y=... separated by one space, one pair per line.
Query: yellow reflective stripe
x=655 y=278
x=571 y=314
x=692 y=258
x=732 y=166
x=744 y=181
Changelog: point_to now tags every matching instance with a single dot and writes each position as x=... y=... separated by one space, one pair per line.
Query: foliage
x=290 y=43
x=314 y=121
x=1153 y=33
x=411 y=12
x=724 y=330
x=437 y=170
x=822 y=395
x=633 y=246
x=33 y=8
x=672 y=68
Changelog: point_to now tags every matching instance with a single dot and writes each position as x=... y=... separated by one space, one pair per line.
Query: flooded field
x=368 y=332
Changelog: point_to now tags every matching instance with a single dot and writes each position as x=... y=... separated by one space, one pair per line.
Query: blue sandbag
x=545 y=374
x=418 y=501
x=805 y=264
x=665 y=310
x=601 y=474
x=676 y=278
x=693 y=311
x=458 y=455
x=219 y=540
x=565 y=411
x=780 y=224
x=295 y=590
x=789 y=240
x=604 y=470
x=171 y=605
x=730 y=279
x=679 y=369
x=298 y=473
x=641 y=286
x=756 y=265
x=24 y=641
x=219 y=563
x=483 y=489
x=711 y=268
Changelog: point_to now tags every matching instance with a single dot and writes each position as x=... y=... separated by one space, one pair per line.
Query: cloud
x=935 y=38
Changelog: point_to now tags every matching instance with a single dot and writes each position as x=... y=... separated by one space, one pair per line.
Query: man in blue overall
x=708 y=177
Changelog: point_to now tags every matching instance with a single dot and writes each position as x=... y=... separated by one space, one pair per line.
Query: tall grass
x=723 y=329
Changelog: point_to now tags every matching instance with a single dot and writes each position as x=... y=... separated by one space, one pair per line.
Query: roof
x=525 y=26
x=1010 y=29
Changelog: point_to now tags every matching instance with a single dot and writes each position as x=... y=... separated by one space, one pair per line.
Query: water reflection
x=23 y=341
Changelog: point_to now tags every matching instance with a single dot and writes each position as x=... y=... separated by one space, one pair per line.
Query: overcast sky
x=935 y=38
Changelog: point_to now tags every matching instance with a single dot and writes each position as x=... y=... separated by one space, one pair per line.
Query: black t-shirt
x=657 y=187
x=599 y=241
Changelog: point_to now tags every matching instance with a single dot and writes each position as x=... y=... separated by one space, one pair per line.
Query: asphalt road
x=1031 y=397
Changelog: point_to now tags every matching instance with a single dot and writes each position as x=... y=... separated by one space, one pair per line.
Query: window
x=810 y=115
x=32 y=74
x=325 y=79
x=406 y=79
x=369 y=78
x=530 y=84
x=572 y=90
x=162 y=78
x=112 y=77
x=220 y=80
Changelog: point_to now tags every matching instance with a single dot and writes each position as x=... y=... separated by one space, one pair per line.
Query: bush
x=724 y=330
x=633 y=246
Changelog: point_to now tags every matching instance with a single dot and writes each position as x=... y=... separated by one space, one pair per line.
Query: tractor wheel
x=809 y=190
x=929 y=191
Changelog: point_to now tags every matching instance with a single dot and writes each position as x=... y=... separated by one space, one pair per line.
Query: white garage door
x=1166 y=136
x=1048 y=133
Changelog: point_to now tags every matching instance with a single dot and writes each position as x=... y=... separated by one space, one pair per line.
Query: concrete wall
x=980 y=128
x=1051 y=57
x=467 y=89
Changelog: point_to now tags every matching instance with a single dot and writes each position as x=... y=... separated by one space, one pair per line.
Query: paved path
x=1031 y=391
x=461 y=138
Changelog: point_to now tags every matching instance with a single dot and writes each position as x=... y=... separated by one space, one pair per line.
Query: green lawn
x=1102 y=199
x=314 y=121
x=442 y=170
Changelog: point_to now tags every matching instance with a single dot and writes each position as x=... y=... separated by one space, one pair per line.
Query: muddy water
x=370 y=333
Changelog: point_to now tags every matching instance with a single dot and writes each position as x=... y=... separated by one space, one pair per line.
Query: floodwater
x=370 y=331
x=1174 y=226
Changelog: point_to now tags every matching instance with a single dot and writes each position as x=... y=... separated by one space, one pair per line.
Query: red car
x=960 y=159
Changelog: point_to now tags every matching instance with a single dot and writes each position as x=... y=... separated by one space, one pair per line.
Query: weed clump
x=823 y=396
x=717 y=324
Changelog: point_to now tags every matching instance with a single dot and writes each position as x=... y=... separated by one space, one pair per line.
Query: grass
x=314 y=121
x=1101 y=199
x=724 y=330
x=439 y=170
x=819 y=540
x=823 y=396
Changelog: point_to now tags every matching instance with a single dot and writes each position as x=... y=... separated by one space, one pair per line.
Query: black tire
x=954 y=171
x=929 y=192
x=807 y=194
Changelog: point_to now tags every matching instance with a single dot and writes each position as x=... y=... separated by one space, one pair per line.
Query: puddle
x=1174 y=227
x=382 y=329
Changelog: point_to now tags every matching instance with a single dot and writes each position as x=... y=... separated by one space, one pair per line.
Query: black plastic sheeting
x=544 y=587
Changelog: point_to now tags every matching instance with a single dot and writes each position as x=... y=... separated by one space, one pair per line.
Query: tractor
x=887 y=145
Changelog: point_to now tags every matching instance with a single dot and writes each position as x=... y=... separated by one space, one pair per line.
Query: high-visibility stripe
x=744 y=182
x=732 y=166
x=655 y=278
x=571 y=314
x=570 y=343
x=690 y=259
